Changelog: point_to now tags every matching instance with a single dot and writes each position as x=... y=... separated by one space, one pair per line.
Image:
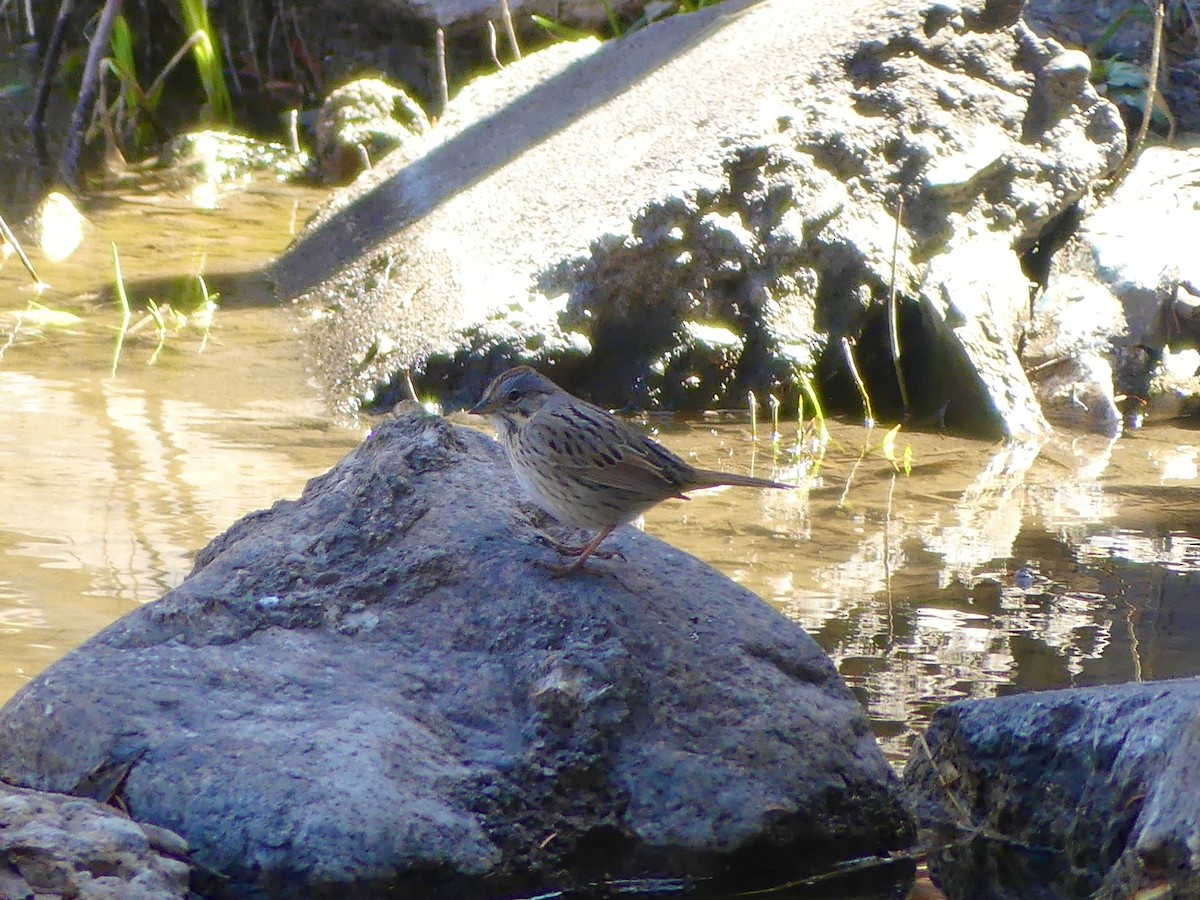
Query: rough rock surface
x=1123 y=289
x=53 y=845
x=1162 y=848
x=361 y=122
x=379 y=686
x=660 y=191
x=1043 y=794
x=1081 y=23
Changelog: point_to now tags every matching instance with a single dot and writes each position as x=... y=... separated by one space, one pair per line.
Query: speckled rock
x=1122 y=294
x=54 y=845
x=639 y=192
x=359 y=123
x=380 y=687
x=1074 y=793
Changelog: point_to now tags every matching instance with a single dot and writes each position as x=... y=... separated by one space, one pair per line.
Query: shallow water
x=110 y=483
x=987 y=569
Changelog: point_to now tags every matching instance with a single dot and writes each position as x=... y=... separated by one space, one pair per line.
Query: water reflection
x=988 y=569
x=110 y=483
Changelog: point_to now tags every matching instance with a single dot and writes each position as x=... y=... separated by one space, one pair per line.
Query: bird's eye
x=513 y=396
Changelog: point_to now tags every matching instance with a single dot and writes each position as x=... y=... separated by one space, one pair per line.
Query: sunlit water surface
x=987 y=569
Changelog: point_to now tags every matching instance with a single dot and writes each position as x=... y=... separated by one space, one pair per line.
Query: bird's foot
x=564 y=549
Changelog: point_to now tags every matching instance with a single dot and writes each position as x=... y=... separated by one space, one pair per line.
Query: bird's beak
x=482 y=408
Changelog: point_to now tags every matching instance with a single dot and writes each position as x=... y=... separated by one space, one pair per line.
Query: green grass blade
x=559 y=31
x=613 y=22
x=207 y=55
x=121 y=44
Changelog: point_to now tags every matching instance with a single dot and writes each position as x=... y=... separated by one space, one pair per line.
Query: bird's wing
x=595 y=446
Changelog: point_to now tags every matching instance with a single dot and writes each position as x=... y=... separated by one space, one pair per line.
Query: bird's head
x=514 y=397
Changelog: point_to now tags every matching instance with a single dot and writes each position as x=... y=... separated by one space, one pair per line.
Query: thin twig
x=844 y=869
x=293 y=68
x=806 y=386
x=965 y=822
x=1152 y=81
x=12 y=337
x=491 y=30
x=210 y=309
x=160 y=327
x=310 y=64
x=36 y=121
x=103 y=121
x=141 y=96
x=1151 y=93
x=844 y=498
x=251 y=44
x=965 y=819
x=441 y=67
x=293 y=130
x=270 y=57
x=68 y=167
x=1042 y=366
x=11 y=238
x=233 y=70
x=894 y=313
x=887 y=561
x=852 y=365
x=506 y=15
x=123 y=299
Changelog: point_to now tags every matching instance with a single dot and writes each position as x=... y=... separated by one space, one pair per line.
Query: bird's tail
x=706 y=478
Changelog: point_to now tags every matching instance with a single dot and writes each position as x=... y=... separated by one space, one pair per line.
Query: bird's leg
x=572 y=550
x=559 y=546
x=577 y=563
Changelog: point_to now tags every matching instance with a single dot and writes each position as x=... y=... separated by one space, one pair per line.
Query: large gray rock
x=1072 y=793
x=711 y=201
x=379 y=686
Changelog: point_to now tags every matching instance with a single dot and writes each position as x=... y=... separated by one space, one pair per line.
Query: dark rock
x=378 y=686
x=1041 y=795
x=1161 y=850
x=1089 y=24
